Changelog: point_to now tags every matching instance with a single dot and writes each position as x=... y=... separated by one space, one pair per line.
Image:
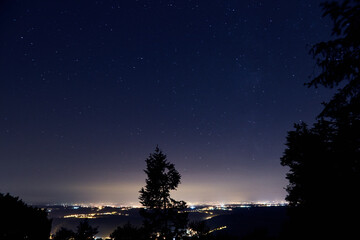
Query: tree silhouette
x=64 y=234
x=162 y=215
x=324 y=159
x=339 y=60
x=85 y=231
x=308 y=155
x=127 y=232
x=200 y=228
x=311 y=179
x=20 y=221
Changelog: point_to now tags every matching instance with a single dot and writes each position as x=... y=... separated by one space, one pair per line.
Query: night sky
x=89 y=88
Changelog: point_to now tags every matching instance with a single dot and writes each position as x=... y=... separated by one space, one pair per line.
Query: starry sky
x=89 y=88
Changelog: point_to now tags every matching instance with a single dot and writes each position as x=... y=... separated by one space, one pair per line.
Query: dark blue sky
x=89 y=88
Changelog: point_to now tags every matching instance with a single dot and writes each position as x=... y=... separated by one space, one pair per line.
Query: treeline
x=324 y=159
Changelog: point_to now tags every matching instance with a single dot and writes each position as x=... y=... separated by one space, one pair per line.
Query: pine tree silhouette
x=20 y=221
x=324 y=159
x=162 y=215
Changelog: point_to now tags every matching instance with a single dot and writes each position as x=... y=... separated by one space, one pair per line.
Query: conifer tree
x=85 y=231
x=162 y=215
x=21 y=221
x=324 y=159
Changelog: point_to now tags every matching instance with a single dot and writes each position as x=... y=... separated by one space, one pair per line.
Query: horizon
x=133 y=205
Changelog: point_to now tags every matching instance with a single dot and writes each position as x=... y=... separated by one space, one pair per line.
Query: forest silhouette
x=323 y=161
x=324 y=176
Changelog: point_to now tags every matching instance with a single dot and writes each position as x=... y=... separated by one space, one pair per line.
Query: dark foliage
x=200 y=228
x=85 y=231
x=20 y=221
x=308 y=156
x=128 y=232
x=162 y=215
x=258 y=234
x=64 y=234
x=324 y=160
x=339 y=59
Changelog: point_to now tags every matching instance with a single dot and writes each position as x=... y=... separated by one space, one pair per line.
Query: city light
x=95 y=215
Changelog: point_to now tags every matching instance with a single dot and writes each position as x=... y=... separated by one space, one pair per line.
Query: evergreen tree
x=127 y=232
x=20 y=221
x=324 y=159
x=339 y=59
x=339 y=62
x=63 y=234
x=162 y=215
x=85 y=231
